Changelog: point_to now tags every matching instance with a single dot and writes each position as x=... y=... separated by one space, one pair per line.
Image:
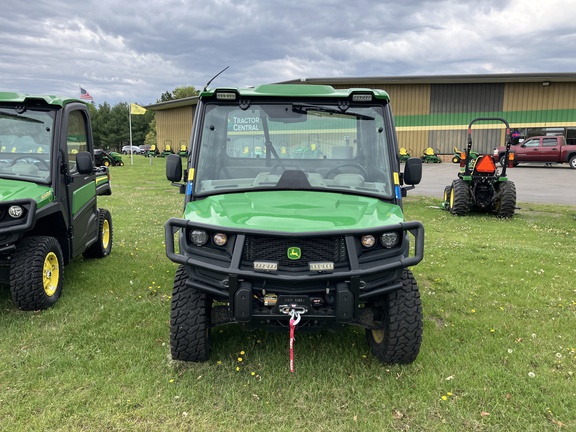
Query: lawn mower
x=167 y=149
x=404 y=154
x=105 y=158
x=183 y=151
x=153 y=152
x=479 y=185
x=460 y=154
x=429 y=156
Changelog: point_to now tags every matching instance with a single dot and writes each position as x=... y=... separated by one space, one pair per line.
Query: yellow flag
x=137 y=109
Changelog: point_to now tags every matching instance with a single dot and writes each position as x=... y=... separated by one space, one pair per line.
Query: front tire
x=573 y=162
x=400 y=316
x=189 y=321
x=103 y=245
x=36 y=273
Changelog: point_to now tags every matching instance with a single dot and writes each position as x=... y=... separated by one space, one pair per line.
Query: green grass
x=499 y=348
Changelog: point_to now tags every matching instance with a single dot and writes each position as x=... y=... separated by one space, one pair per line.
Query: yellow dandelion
x=473 y=310
x=444 y=398
x=449 y=394
x=239 y=359
x=253 y=373
x=242 y=353
x=171 y=380
x=237 y=368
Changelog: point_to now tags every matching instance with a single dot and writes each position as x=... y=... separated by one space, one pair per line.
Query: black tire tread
x=97 y=250
x=26 y=273
x=507 y=201
x=461 y=192
x=403 y=324
x=189 y=321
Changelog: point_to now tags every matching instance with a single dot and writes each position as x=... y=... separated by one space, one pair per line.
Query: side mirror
x=174 y=168
x=84 y=162
x=413 y=171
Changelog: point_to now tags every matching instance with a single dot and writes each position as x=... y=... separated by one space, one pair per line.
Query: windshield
x=294 y=146
x=25 y=139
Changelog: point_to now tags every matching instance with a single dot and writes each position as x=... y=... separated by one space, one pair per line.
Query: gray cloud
x=134 y=51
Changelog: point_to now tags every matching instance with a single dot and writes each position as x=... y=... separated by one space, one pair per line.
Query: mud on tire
x=399 y=314
x=36 y=273
x=189 y=321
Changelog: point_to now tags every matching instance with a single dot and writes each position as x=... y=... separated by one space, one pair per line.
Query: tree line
x=111 y=127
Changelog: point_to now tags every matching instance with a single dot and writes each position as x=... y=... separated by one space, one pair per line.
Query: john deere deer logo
x=294 y=253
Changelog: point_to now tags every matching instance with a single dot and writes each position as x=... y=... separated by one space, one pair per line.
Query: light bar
x=362 y=97
x=226 y=96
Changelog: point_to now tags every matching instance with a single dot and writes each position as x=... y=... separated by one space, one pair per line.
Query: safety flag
x=137 y=109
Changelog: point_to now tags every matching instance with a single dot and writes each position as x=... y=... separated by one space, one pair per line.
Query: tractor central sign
x=242 y=124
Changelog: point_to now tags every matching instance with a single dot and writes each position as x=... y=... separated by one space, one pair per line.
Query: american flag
x=85 y=95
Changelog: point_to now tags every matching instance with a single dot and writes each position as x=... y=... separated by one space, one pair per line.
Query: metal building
x=434 y=111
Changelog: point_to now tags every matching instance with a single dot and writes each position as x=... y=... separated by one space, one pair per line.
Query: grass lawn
x=498 y=354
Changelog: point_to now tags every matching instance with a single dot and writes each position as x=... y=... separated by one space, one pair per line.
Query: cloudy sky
x=133 y=51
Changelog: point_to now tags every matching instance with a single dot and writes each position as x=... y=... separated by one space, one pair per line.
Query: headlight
x=198 y=237
x=368 y=241
x=220 y=239
x=389 y=240
x=15 y=211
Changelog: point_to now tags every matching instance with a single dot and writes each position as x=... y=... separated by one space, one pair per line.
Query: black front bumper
x=346 y=287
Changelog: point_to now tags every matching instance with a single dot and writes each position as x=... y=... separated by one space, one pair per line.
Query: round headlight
x=15 y=211
x=220 y=239
x=368 y=241
x=389 y=239
x=198 y=237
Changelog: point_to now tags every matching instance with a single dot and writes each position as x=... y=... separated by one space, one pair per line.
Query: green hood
x=15 y=189
x=293 y=211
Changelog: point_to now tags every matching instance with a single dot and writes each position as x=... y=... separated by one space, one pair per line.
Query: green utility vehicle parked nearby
x=293 y=209
x=48 y=189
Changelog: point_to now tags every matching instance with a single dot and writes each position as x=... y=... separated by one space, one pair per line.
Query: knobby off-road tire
x=459 y=203
x=36 y=273
x=103 y=245
x=400 y=314
x=189 y=321
x=507 y=202
x=446 y=197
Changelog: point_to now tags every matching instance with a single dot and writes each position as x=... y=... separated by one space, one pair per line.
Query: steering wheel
x=336 y=169
x=31 y=157
x=280 y=166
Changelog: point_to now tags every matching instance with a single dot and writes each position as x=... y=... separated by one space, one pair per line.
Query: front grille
x=258 y=248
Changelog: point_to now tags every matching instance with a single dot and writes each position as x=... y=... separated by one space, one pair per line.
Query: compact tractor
x=480 y=186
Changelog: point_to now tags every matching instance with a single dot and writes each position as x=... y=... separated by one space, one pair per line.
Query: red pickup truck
x=548 y=149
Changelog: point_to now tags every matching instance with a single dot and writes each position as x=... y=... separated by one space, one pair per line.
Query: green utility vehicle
x=293 y=212
x=48 y=190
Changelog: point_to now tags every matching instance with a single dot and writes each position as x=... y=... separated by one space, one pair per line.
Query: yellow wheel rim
x=106 y=163
x=452 y=198
x=105 y=234
x=51 y=274
x=378 y=336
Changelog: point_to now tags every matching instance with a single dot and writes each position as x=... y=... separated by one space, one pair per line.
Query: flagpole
x=130 y=122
